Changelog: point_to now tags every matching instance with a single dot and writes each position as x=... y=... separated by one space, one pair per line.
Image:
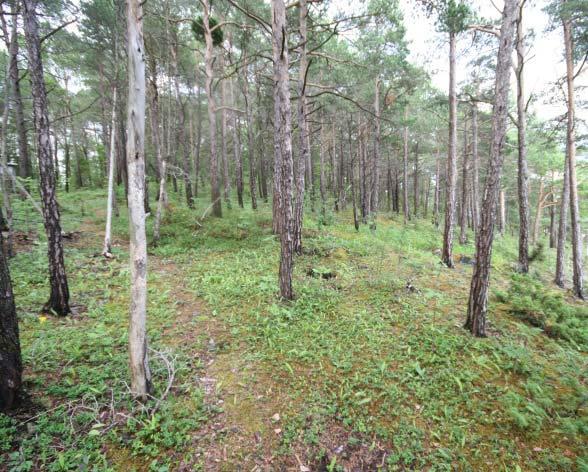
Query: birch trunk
x=140 y=373
x=283 y=143
x=107 y=248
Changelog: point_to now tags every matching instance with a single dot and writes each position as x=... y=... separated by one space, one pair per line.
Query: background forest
x=256 y=235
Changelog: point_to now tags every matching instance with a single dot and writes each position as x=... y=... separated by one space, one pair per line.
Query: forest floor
x=368 y=368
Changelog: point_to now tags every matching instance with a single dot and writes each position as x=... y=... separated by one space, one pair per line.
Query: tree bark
x=10 y=356
x=376 y=163
x=405 y=208
x=283 y=144
x=107 y=247
x=523 y=174
x=250 y=141
x=25 y=167
x=436 y=201
x=578 y=274
x=478 y=300
x=237 y=156
x=215 y=194
x=539 y=214
x=463 y=214
x=140 y=373
x=475 y=169
x=303 y=132
x=59 y=298
x=447 y=254
x=502 y=221
x=416 y=181
x=562 y=227
x=224 y=135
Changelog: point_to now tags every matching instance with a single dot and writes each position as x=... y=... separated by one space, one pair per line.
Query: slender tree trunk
x=523 y=174
x=552 y=226
x=107 y=248
x=236 y=148
x=562 y=227
x=405 y=208
x=10 y=357
x=436 y=202
x=25 y=168
x=578 y=275
x=160 y=204
x=5 y=173
x=463 y=215
x=539 y=214
x=376 y=163
x=140 y=373
x=502 y=221
x=478 y=300
x=322 y=182
x=416 y=181
x=303 y=132
x=475 y=169
x=215 y=194
x=59 y=298
x=224 y=135
x=250 y=142
x=447 y=254
x=197 y=175
x=283 y=144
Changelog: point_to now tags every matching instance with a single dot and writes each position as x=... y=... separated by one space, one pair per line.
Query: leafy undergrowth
x=367 y=369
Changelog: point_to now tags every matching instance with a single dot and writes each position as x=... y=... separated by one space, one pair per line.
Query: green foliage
x=198 y=30
x=532 y=303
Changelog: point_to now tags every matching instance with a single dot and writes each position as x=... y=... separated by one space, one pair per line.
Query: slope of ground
x=368 y=369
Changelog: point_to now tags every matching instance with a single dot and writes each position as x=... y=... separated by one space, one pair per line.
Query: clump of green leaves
x=532 y=303
x=216 y=32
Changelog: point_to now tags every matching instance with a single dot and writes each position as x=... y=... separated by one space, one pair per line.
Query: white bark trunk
x=140 y=374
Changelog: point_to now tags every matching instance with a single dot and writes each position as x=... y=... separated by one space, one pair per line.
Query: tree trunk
x=436 y=200
x=523 y=174
x=59 y=298
x=447 y=254
x=562 y=227
x=578 y=275
x=224 y=135
x=25 y=168
x=140 y=373
x=5 y=174
x=539 y=214
x=376 y=163
x=250 y=141
x=475 y=169
x=405 y=170
x=107 y=248
x=552 y=227
x=502 y=221
x=478 y=299
x=10 y=357
x=303 y=133
x=237 y=156
x=283 y=144
x=416 y=181
x=215 y=195
x=463 y=214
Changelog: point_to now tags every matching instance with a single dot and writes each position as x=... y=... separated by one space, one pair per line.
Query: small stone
x=303 y=468
x=276 y=418
x=277 y=430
